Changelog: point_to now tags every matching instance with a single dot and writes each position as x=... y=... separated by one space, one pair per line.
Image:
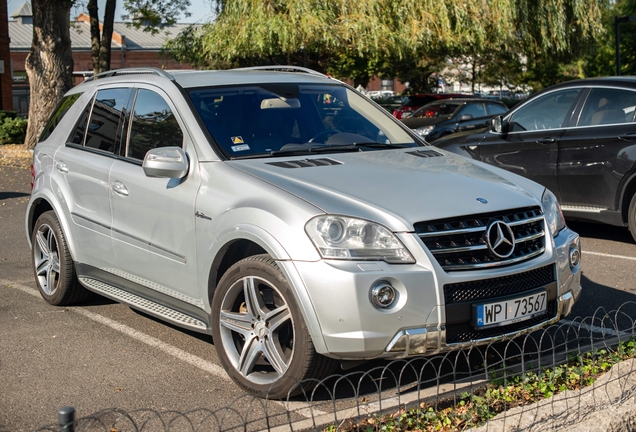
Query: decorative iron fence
x=558 y=376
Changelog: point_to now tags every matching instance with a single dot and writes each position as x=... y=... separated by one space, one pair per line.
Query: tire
x=260 y=335
x=631 y=217
x=53 y=265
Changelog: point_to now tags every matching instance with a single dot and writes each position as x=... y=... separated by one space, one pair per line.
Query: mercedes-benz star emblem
x=500 y=239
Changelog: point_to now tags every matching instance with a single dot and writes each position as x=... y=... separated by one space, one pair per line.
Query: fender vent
x=305 y=163
x=426 y=153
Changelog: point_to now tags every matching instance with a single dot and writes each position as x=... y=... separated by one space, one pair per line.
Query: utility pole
x=617 y=31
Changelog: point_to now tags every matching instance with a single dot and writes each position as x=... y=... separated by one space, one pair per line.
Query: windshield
x=269 y=119
x=436 y=109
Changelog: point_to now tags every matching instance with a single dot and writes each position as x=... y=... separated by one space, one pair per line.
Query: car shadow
x=9 y=195
x=602 y=231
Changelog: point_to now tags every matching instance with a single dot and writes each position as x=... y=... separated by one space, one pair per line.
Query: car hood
x=396 y=188
x=417 y=122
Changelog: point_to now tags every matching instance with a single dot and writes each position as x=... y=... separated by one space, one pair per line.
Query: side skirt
x=143 y=299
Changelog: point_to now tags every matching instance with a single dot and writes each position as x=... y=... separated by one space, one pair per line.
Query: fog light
x=575 y=257
x=383 y=295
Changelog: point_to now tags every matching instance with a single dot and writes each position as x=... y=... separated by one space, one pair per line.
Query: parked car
x=415 y=101
x=577 y=138
x=441 y=118
x=390 y=103
x=285 y=214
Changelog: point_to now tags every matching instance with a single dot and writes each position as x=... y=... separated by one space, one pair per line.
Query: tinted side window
x=108 y=111
x=546 y=112
x=78 y=135
x=475 y=110
x=494 y=109
x=608 y=106
x=153 y=125
x=62 y=108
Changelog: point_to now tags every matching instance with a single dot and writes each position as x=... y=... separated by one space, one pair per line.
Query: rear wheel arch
x=38 y=207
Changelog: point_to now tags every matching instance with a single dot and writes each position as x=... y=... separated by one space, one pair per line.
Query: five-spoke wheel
x=52 y=263
x=259 y=332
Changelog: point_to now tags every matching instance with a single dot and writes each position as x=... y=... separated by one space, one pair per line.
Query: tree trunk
x=93 y=13
x=107 y=35
x=49 y=64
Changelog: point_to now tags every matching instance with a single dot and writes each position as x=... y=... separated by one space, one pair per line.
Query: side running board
x=145 y=305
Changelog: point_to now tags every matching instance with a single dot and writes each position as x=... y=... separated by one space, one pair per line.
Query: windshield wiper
x=299 y=151
x=310 y=150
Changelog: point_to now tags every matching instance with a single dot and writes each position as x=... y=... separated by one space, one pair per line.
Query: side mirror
x=496 y=124
x=465 y=117
x=166 y=162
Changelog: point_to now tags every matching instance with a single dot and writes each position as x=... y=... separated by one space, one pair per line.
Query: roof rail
x=282 y=68
x=131 y=71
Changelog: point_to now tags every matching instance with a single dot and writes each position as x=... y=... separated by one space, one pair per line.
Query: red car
x=416 y=101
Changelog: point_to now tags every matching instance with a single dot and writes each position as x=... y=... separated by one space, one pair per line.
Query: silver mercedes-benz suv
x=292 y=219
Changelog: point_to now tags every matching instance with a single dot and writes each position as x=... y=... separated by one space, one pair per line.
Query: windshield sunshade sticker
x=241 y=147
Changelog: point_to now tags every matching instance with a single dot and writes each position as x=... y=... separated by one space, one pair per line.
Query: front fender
x=261 y=237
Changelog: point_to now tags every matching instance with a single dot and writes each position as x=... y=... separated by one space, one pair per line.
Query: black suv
x=440 y=118
x=577 y=138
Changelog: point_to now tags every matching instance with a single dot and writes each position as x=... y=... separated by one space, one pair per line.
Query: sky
x=200 y=10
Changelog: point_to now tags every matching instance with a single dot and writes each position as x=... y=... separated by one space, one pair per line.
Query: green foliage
x=505 y=390
x=600 y=60
x=399 y=38
x=151 y=15
x=12 y=128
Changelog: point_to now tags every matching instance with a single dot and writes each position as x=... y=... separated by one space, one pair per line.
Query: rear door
x=594 y=156
x=84 y=163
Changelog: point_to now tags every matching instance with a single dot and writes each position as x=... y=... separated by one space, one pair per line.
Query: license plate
x=510 y=311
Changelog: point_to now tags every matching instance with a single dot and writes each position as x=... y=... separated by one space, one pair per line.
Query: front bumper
x=352 y=328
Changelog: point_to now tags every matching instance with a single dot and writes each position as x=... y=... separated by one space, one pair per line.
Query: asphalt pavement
x=105 y=355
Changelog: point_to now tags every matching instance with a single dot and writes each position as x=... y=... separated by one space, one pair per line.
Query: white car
x=290 y=217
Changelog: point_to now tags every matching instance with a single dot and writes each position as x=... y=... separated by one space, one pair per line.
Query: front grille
x=498 y=287
x=465 y=332
x=460 y=243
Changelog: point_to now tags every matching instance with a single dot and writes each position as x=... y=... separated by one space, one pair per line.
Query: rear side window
x=62 y=108
x=106 y=119
x=608 y=106
x=494 y=109
x=153 y=125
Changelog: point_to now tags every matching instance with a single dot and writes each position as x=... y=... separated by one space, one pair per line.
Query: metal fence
x=549 y=379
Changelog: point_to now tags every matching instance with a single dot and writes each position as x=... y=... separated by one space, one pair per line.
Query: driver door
x=530 y=145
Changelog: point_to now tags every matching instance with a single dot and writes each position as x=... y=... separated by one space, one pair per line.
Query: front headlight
x=423 y=131
x=341 y=237
x=552 y=212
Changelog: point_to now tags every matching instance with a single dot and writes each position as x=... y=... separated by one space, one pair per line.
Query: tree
x=338 y=34
x=49 y=65
x=147 y=14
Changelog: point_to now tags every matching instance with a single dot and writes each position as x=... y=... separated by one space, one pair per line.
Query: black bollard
x=66 y=418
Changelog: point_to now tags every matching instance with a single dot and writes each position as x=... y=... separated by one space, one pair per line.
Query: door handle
x=628 y=137
x=61 y=167
x=546 y=140
x=119 y=188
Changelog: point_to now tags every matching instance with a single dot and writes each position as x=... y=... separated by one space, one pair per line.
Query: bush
x=12 y=128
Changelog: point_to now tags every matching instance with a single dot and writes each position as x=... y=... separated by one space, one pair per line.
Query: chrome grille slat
x=495 y=264
x=458 y=249
x=460 y=243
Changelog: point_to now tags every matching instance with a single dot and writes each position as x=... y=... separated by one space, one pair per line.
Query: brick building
x=130 y=47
